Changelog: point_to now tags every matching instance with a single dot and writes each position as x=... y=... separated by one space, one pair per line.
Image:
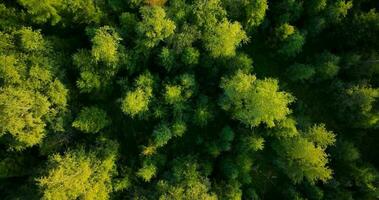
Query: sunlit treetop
x=105 y=45
x=78 y=174
x=254 y=101
x=224 y=39
x=154 y=27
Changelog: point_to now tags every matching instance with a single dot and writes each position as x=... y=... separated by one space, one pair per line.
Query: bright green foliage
x=105 y=45
x=21 y=115
x=78 y=174
x=147 y=172
x=43 y=11
x=31 y=97
x=8 y=71
x=250 y=13
x=31 y=40
x=291 y=40
x=55 y=11
x=91 y=120
x=174 y=83
x=224 y=39
x=173 y=94
x=98 y=65
x=339 y=10
x=154 y=27
x=286 y=129
x=300 y=158
x=284 y=31
x=255 y=101
x=185 y=183
x=255 y=12
x=320 y=136
x=137 y=102
x=255 y=143
x=208 y=12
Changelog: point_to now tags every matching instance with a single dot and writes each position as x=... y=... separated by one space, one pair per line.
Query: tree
x=339 y=10
x=101 y=63
x=22 y=116
x=78 y=174
x=301 y=159
x=32 y=98
x=256 y=12
x=154 y=26
x=291 y=41
x=255 y=101
x=105 y=45
x=224 y=39
x=137 y=102
x=60 y=11
x=358 y=106
x=91 y=120
x=320 y=136
x=186 y=182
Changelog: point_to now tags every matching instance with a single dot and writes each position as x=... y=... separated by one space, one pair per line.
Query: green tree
x=154 y=26
x=136 y=102
x=301 y=159
x=224 y=39
x=255 y=101
x=186 y=182
x=78 y=174
x=91 y=120
x=358 y=106
x=105 y=45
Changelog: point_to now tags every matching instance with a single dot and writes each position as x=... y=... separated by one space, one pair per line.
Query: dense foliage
x=189 y=99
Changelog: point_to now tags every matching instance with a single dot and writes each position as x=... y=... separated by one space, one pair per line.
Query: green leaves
x=136 y=102
x=154 y=26
x=223 y=40
x=320 y=136
x=78 y=174
x=22 y=116
x=360 y=100
x=256 y=12
x=100 y=64
x=105 y=45
x=162 y=134
x=91 y=120
x=61 y=11
x=173 y=82
x=147 y=172
x=31 y=40
x=32 y=98
x=300 y=158
x=253 y=101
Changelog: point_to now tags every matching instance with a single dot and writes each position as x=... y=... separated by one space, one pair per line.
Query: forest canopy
x=189 y=99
